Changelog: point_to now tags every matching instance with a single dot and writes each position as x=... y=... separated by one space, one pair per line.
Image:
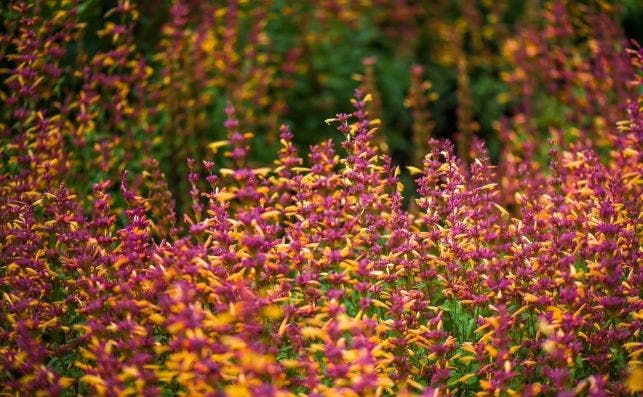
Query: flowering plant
x=316 y=274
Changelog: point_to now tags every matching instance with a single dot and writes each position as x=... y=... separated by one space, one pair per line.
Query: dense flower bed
x=312 y=275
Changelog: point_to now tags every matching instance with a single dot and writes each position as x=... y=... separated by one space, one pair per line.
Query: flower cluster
x=312 y=275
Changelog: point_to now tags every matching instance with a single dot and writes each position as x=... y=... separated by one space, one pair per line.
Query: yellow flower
x=271 y=312
x=237 y=391
x=156 y=318
x=634 y=381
